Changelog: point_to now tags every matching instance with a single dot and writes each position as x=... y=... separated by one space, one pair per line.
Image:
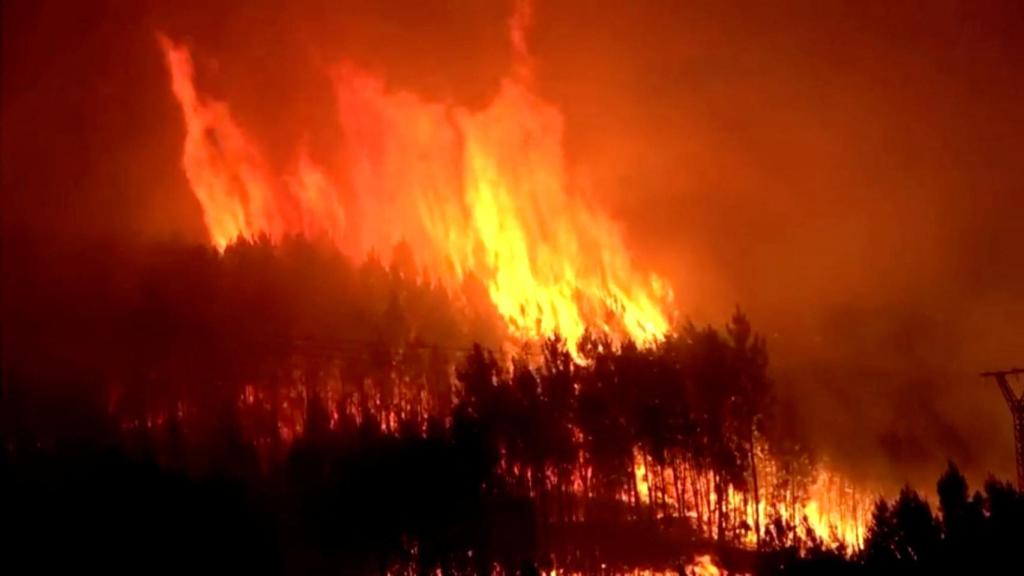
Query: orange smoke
x=482 y=193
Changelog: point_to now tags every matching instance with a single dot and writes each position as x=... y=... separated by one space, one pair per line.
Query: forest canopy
x=392 y=423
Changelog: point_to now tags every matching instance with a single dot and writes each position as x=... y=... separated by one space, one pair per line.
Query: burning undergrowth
x=287 y=366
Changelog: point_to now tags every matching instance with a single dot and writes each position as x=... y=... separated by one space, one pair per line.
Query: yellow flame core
x=703 y=565
x=482 y=193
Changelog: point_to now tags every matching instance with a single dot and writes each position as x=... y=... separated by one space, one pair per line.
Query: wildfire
x=473 y=193
x=703 y=566
x=485 y=194
x=837 y=512
x=829 y=509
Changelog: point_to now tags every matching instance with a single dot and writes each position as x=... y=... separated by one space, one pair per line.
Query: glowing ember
x=483 y=193
x=703 y=566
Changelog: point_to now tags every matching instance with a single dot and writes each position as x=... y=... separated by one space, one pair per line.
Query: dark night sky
x=850 y=173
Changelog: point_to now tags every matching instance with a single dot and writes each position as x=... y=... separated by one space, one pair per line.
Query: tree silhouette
x=904 y=536
x=318 y=415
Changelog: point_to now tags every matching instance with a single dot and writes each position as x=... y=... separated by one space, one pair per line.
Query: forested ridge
x=279 y=408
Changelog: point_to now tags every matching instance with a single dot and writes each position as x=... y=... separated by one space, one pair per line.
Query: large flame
x=472 y=193
x=481 y=193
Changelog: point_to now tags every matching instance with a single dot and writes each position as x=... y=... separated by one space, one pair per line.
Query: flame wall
x=481 y=193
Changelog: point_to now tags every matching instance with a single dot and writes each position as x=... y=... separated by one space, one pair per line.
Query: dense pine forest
x=277 y=408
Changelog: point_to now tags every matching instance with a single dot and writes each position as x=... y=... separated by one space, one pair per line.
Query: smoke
x=849 y=175
x=844 y=173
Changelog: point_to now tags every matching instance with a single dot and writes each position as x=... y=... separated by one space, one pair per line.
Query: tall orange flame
x=481 y=193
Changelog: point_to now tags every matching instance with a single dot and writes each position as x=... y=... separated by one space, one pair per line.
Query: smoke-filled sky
x=849 y=173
